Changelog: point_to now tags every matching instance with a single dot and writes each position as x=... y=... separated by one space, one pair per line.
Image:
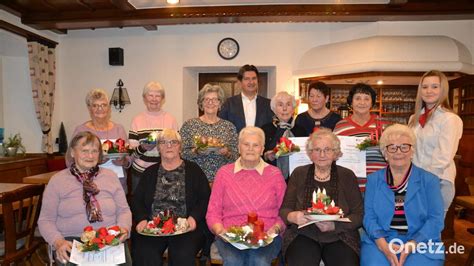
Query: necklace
x=322 y=179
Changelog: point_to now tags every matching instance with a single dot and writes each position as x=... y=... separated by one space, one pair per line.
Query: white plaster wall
x=167 y=55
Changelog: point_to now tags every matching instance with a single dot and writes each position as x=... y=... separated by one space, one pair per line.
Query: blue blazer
x=423 y=208
x=233 y=110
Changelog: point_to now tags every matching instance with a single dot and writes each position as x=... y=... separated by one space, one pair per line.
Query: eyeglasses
x=172 y=142
x=325 y=150
x=392 y=148
x=211 y=100
x=97 y=106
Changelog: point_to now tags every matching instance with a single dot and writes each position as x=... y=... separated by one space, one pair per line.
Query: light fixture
x=172 y=2
x=120 y=97
x=379 y=82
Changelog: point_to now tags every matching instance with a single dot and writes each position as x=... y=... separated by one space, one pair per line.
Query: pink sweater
x=63 y=212
x=233 y=196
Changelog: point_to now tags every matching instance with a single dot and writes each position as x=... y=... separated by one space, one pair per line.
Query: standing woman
x=363 y=124
x=100 y=124
x=318 y=115
x=283 y=125
x=153 y=119
x=210 y=100
x=438 y=130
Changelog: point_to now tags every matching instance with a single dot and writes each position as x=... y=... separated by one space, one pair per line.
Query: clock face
x=228 y=48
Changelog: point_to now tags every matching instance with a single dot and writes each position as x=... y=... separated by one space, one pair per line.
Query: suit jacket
x=233 y=111
x=423 y=208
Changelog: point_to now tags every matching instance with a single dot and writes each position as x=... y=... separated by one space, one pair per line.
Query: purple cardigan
x=63 y=211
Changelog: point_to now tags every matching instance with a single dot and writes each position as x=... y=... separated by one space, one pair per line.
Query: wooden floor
x=461 y=237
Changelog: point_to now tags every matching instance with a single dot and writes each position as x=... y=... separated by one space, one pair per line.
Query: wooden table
x=6 y=187
x=39 y=179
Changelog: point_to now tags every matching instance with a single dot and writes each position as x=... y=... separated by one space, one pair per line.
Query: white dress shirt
x=250 y=110
x=437 y=143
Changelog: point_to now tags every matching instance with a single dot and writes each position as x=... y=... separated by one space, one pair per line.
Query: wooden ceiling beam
x=28 y=35
x=267 y=13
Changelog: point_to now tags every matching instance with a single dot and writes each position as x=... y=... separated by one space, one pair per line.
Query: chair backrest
x=470 y=182
x=20 y=211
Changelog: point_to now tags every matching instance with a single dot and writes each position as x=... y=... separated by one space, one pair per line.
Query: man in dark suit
x=247 y=108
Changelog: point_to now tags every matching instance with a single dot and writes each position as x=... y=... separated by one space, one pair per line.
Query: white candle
x=324 y=191
x=319 y=191
x=314 y=196
x=332 y=203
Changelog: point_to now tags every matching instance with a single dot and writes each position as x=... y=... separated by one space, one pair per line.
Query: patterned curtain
x=43 y=81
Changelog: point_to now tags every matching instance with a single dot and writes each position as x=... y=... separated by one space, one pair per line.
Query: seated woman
x=175 y=185
x=403 y=203
x=283 y=125
x=208 y=125
x=248 y=185
x=336 y=243
x=82 y=195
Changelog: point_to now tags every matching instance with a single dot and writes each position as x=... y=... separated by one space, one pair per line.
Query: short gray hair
x=96 y=94
x=252 y=131
x=396 y=131
x=324 y=133
x=280 y=96
x=209 y=88
x=168 y=133
x=156 y=86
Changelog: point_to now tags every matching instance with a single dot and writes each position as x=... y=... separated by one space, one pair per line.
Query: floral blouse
x=223 y=130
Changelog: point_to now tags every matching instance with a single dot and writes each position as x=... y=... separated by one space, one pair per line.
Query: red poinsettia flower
x=168 y=227
x=318 y=205
x=88 y=228
x=156 y=220
x=102 y=231
x=332 y=210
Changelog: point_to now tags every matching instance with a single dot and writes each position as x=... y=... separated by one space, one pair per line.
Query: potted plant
x=14 y=144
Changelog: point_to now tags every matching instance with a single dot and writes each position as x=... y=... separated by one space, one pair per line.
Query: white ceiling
x=140 y=4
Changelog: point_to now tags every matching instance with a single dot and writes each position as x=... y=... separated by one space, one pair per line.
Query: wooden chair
x=20 y=209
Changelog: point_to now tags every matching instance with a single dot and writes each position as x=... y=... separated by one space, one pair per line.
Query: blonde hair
x=252 y=131
x=96 y=94
x=155 y=86
x=169 y=133
x=396 y=131
x=443 y=100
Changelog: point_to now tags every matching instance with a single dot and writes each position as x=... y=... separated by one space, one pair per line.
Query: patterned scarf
x=90 y=189
x=286 y=126
x=424 y=117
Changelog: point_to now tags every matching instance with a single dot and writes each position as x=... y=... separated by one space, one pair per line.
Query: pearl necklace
x=322 y=179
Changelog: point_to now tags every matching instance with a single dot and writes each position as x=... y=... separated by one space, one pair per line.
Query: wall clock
x=228 y=48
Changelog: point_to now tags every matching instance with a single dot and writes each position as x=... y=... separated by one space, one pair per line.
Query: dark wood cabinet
x=13 y=169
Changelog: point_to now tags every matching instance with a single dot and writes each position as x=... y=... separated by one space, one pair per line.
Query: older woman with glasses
x=82 y=195
x=403 y=207
x=100 y=124
x=215 y=130
x=336 y=243
x=248 y=185
x=175 y=185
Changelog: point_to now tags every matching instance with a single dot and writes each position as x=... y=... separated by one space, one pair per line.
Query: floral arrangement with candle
x=251 y=235
x=95 y=240
x=322 y=204
x=165 y=223
x=285 y=147
x=109 y=147
x=203 y=143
